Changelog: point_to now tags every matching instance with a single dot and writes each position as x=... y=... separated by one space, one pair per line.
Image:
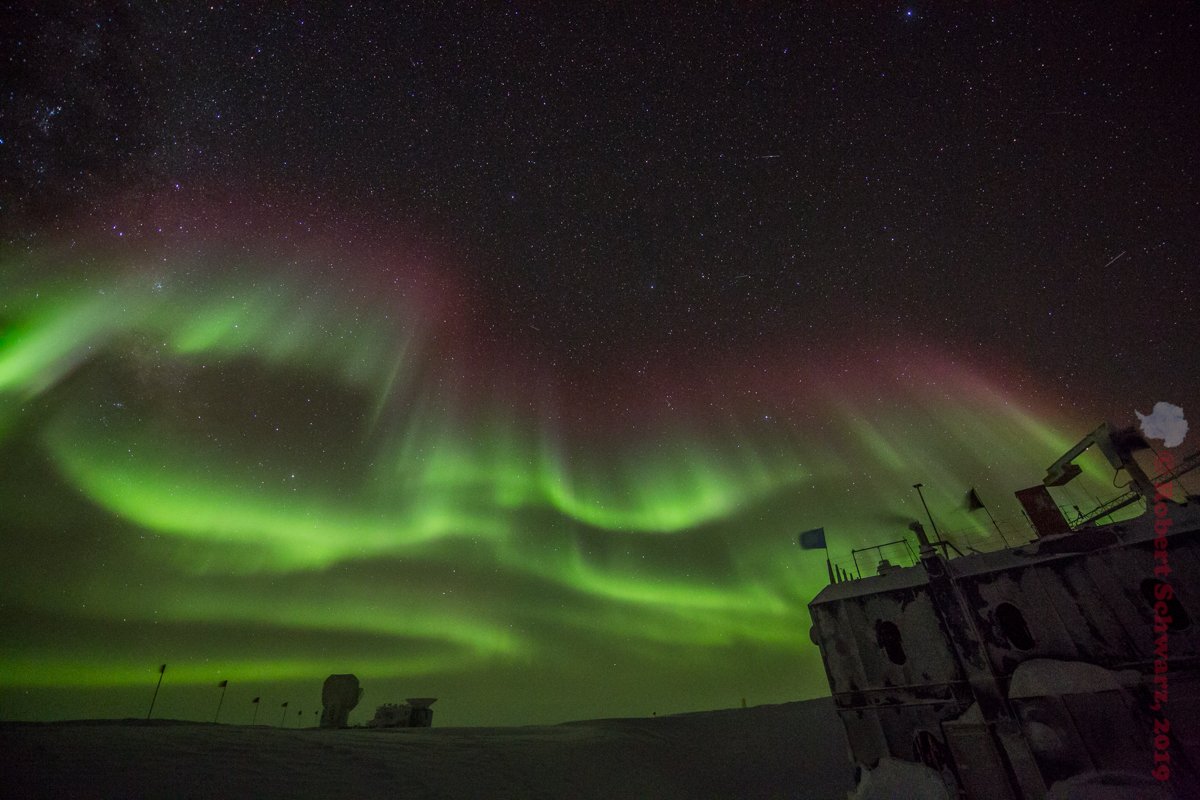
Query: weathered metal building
x=1009 y=671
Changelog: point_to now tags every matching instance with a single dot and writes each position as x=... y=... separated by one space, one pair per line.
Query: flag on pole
x=162 y=671
x=812 y=540
x=255 y=700
x=975 y=504
x=284 y=705
x=224 y=687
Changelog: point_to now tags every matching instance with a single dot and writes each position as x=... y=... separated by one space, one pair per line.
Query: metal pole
x=161 y=672
x=936 y=532
x=224 y=688
x=1032 y=527
x=988 y=511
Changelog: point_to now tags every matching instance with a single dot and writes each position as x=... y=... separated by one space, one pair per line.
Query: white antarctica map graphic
x=1165 y=422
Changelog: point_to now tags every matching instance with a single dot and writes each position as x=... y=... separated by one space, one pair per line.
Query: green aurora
x=268 y=480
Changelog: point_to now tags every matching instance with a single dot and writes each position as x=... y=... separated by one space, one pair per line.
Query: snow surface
x=893 y=779
x=792 y=750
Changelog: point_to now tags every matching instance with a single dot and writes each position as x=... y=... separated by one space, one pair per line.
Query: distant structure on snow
x=339 y=696
x=415 y=712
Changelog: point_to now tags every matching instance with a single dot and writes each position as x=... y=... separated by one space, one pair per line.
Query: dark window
x=1180 y=621
x=1012 y=625
x=887 y=636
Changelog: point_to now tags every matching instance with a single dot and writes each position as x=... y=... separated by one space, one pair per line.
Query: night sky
x=500 y=355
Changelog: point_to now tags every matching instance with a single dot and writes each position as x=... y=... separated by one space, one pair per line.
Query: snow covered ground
x=792 y=750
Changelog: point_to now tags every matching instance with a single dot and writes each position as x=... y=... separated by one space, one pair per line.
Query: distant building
x=415 y=712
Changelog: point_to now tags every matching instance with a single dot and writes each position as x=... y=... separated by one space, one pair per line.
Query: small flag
x=162 y=669
x=812 y=540
x=255 y=700
x=284 y=705
x=222 y=684
x=973 y=501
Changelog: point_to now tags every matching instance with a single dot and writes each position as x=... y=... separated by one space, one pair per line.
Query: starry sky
x=499 y=355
